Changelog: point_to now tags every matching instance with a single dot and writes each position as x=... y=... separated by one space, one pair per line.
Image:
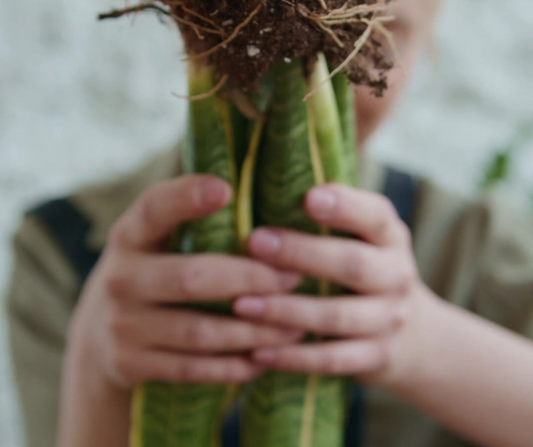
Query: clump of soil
x=242 y=38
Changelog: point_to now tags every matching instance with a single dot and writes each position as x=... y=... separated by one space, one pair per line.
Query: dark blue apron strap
x=354 y=433
x=231 y=432
x=401 y=189
x=70 y=229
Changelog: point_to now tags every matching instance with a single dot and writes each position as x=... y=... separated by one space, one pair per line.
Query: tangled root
x=242 y=38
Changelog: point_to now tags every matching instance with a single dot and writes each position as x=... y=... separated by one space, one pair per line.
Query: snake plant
x=251 y=65
x=292 y=147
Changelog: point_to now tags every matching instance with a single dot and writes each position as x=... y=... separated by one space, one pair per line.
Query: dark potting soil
x=271 y=31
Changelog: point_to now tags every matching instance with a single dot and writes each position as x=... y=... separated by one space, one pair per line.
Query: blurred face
x=411 y=34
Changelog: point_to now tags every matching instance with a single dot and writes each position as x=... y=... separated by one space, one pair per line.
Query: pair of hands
x=127 y=327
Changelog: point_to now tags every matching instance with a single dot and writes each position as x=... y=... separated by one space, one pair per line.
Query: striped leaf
x=185 y=415
x=344 y=96
x=292 y=410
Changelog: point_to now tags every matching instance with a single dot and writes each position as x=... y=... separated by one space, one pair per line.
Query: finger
x=139 y=367
x=189 y=331
x=339 y=317
x=156 y=212
x=332 y=358
x=354 y=264
x=368 y=215
x=170 y=278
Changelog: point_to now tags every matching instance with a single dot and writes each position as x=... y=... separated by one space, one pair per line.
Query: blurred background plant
x=500 y=168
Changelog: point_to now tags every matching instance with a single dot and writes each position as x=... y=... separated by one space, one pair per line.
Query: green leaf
x=498 y=169
x=279 y=409
x=345 y=98
x=327 y=123
x=190 y=415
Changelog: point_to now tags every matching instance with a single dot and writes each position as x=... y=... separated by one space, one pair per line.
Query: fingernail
x=252 y=306
x=288 y=280
x=264 y=242
x=212 y=191
x=321 y=202
x=264 y=356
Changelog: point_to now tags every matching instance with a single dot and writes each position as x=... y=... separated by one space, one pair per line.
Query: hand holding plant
x=367 y=334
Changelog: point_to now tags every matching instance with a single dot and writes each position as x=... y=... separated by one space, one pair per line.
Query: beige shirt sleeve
x=478 y=255
x=504 y=287
x=39 y=305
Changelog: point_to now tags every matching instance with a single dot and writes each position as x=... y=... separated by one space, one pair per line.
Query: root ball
x=242 y=38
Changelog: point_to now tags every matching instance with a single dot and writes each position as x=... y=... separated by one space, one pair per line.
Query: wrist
x=83 y=357
x=412 y=350
x=94 y=411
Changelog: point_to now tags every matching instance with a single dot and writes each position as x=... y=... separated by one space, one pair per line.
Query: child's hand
x=126 y=325
x=372 y=332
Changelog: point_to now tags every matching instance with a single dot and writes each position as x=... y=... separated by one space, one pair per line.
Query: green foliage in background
x=499 y=167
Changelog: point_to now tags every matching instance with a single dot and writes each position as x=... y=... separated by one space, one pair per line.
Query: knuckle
x=404 y=234
x=406 y=277
x=168 y=276
x=183 y=371
x=237 y=372
x=116 y=283
x=398 y=314
x=255 y=279
x=239 y=378
x=382 y=359
x=374 y=359
x=118 y=324
x=291 y=248
x=116 y=233
x=333 y=320
x=277 y=308
x=355 y=265
x=189 y=280
x=199 y=335
x=386 y=213
x=226 y=372
x=261 y=336
x=335 y=364
x=347 y=320
x=122 y=364
x=195 y=372
x=291 y=361
x=159 y=371
x=387 y=209
x=271 y=336
x=145 y=208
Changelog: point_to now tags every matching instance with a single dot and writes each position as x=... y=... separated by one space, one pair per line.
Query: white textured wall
x=81 y=100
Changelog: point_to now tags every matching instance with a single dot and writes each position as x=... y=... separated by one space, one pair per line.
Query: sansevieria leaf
x=191 y=415
x=267 y=115
x=280 y=409
x=344 y=95
x=271 y=163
